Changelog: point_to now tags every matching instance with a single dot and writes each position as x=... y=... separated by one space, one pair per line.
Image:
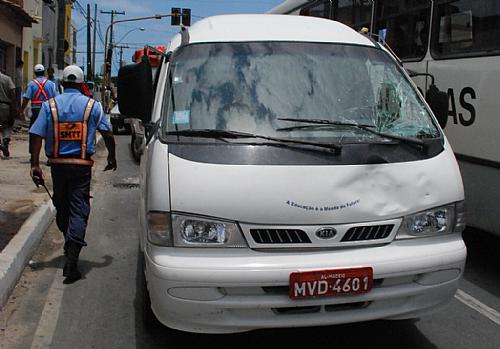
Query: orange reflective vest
x=41 y=91
x=71 y=131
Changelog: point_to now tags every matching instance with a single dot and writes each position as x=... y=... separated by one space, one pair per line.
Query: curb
x=19 y=250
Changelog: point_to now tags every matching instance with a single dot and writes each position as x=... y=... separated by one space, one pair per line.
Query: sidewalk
x=19 y=197
x=25 y=211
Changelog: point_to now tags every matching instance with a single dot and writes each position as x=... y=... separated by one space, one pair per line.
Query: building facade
x=49 y=32
x=32 y=39
x=13 y=18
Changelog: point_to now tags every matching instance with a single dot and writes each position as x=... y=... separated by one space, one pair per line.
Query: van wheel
x=148 y=317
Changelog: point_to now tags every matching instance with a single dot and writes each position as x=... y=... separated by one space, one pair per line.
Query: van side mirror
x=438 y=101
x=135 y=90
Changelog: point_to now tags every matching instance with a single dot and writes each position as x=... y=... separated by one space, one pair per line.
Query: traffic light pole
x=109 y=48
x=176 y=15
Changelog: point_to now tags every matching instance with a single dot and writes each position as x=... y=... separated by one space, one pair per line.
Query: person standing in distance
x=68 y=123
x=19 y=82
x=8 y=111
x=39 y=90
x=51 y=77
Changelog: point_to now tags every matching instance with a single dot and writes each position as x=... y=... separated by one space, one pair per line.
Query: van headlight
x=437 y=221
x=193 y=231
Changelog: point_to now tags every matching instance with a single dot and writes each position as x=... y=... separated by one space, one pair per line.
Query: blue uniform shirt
x=32 y=89
x=70 y=108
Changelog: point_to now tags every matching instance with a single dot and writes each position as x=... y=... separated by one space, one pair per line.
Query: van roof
x=270 y=27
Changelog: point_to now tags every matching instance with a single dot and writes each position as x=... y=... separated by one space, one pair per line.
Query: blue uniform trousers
x=72 y=200
x=34 y=115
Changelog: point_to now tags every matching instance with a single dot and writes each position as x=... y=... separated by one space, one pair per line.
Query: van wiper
x=369 y=128
x=214 y=133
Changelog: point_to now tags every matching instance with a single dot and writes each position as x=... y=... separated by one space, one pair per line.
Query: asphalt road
x=104 y=309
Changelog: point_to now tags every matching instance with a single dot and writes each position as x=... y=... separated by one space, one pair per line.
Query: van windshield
x=254 y=87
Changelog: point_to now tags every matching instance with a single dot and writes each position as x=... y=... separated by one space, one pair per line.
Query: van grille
x=280 y=236
x=374 y=232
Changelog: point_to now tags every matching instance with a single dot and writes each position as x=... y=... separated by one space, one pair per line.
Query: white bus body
x=458 y=43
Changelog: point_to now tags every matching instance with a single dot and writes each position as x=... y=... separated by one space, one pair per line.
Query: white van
x=293 y=176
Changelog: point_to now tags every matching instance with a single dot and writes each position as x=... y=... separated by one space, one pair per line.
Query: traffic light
x=176 y=16
x=186 y=17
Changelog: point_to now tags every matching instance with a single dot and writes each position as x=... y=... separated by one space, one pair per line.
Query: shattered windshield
x=250 y=86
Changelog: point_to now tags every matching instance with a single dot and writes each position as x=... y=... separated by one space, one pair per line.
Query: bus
x=458 y=43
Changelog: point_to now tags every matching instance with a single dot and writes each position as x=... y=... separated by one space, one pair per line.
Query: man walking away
x=8 y=111
x=19 y=82
x=68 y=123
x=39 y=90
x=51 y=77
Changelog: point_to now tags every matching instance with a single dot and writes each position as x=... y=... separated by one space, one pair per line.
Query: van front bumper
x=234 y=290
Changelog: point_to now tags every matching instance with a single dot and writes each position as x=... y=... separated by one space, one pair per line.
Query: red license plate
x=334 y=282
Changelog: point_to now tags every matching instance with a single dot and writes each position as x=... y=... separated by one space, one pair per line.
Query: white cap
x=39 y=68
x=73 y=73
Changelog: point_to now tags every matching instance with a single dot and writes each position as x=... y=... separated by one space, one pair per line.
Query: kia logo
x=326 y=233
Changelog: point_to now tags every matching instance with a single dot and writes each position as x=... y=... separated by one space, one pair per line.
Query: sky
x=156 y=32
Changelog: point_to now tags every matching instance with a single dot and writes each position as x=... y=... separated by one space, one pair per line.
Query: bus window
x=465 y=28
x=354 y=13
x=321 y=9
x=406 y=23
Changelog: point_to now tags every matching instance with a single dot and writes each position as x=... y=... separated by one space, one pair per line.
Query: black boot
x=70 y=270
x=5 y=147
x=66 y=249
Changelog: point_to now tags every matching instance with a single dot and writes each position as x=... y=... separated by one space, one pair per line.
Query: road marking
x=50 y=314
x=481 y=308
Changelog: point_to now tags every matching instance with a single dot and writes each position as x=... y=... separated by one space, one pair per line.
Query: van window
x=465 y=28
x=248 y=86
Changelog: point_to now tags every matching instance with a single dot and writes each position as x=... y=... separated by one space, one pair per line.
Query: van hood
x=313 y=194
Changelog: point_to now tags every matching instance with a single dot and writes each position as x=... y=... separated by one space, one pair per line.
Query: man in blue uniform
x=39 y=90
x=68 y=123
x=56 y=81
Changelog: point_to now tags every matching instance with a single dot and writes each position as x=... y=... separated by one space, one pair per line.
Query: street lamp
x=130 y=31
x=109 y=49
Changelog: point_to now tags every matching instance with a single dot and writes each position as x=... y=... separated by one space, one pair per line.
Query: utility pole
x=108 y=58
x=121 y=47
x=61 y=18
x=75 y=45
x=109 y=54
x=89 y=46
x=94 y=42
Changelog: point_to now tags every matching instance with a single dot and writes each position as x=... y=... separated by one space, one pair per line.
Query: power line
x=100 y=33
